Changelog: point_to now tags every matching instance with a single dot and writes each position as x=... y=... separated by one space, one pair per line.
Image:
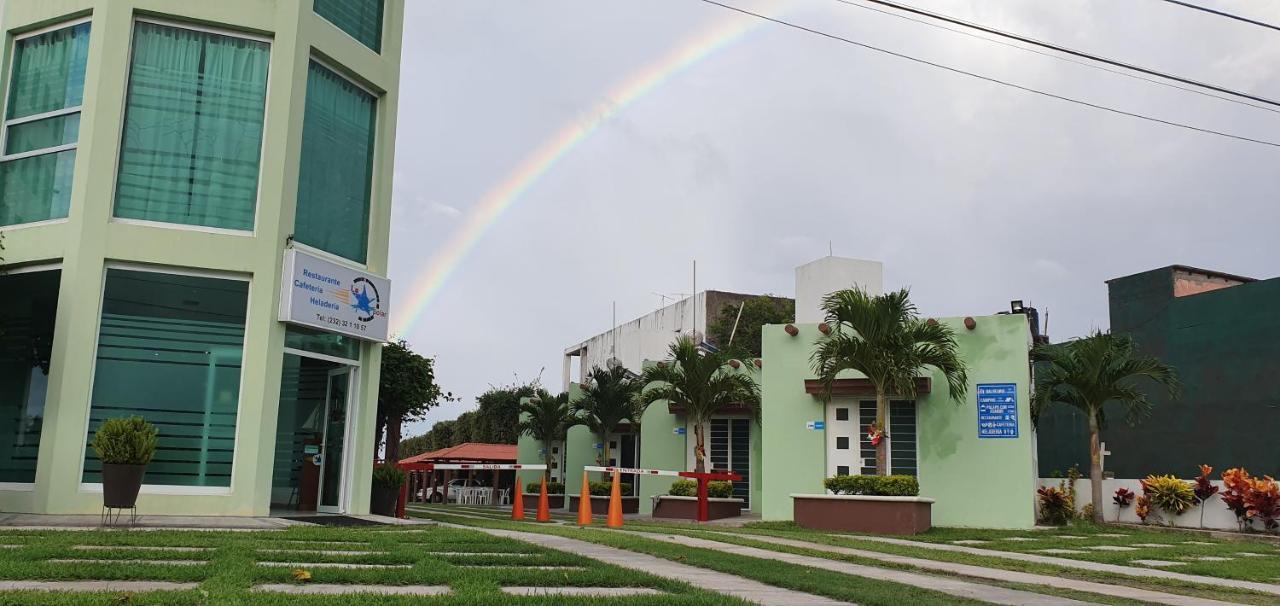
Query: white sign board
x=335 y=298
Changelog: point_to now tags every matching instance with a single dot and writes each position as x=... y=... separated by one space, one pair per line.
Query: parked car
x=454 y=489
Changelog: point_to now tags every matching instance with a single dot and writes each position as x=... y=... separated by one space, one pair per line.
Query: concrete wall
x=976 y=482
x=661 y=448
x=88 y=239
x=1216 y=514
x=819 y=278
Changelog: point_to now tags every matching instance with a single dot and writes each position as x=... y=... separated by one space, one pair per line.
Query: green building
x=195 y=199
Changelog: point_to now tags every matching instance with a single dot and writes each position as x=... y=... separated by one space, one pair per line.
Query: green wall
x=976 y=482
x=661 y=448
x=88 y=239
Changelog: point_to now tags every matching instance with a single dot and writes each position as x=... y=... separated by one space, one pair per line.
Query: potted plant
x=387 y=480
x=681 y=501
x=125 y=447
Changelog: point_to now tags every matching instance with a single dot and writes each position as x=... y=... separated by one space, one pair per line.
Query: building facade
x=164 y=164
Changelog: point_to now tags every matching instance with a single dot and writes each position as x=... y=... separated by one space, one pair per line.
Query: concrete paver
x=513 y=554
x=140 y=548
x=1151 y=545
x=949 y=586
x=1062 y=551
x=135 y=562
x=1110 y=548
x=710 y=580
x=344 y=589
x=998 y=574
x=1080 y=564
x=126 y=586
x=348 y=565
x=606 y=592
x=1159 y=563
x=328 y=552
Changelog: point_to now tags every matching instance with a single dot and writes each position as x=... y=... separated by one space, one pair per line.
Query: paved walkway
x=949 y=586
x=719 y=582
x=1079 y=564
x=1133 y=593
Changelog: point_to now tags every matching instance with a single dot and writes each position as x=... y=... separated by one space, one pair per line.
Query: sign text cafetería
x=332 y=297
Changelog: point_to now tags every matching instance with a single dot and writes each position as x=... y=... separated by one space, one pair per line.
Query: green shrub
x=1055 y=507
x=552 y=487
x=130 y=441
x=604 y=489
x=689 y=488
x=1169 y=494
x=879 y=486
x=388 y=476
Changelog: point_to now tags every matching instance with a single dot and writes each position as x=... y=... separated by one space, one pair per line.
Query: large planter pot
x=530 y=500
x=383 y=499
x=852 y=513
x=600 y=505
x=686 y=508
x=120 y=484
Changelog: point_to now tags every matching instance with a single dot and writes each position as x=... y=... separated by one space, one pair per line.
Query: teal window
x=361 y=19
x=315 y=341
x=193 y=119
x=42 y=124
x=26 y=344
x=170 y=349
x=336 y=175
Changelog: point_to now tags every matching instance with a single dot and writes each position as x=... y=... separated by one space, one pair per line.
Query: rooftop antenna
x=613 y=353
x=694 y=298
x=830 y=249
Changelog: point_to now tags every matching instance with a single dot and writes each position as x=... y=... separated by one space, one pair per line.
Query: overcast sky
x=755 y=157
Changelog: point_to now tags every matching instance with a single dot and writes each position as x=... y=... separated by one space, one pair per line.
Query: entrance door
x=333 y=446
x=730 y=450
x=843 y=431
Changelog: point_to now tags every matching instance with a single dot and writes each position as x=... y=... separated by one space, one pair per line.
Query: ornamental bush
x=604 y=489
x=130 y=441
x=880 y=486
x=1055 y=506
x=1169 y=494
x=689 y=488
x=388 y=476
x=552 y=487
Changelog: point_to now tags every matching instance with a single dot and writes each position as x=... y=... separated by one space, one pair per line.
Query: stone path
x=950 y=586
x=710 y=580
x=334 y=589
x=996 y=574
x=128 y=586
x=329 y=552
x=1080 y=564
x=333 y=565
x=139 y=548
x=136 y=562
x=604 y=592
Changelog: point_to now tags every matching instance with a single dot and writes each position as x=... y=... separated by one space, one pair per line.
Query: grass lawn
x=232 y=567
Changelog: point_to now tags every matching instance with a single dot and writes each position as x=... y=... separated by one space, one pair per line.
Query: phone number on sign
x=340 y=323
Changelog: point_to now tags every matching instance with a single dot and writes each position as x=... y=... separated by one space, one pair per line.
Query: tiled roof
x=470 y=452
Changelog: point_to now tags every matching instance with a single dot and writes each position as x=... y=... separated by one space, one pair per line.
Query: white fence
x=1216 y=514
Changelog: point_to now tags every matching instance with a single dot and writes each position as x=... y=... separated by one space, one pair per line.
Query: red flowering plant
x=1143 y=508
x=1204 y=489
x=875 y=433
x=1236 y=485
x=1263 y=502
x=1122 y=498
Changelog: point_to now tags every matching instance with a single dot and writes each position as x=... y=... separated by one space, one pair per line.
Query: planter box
x=686 y=508
x=530 y=500
x=600 y=505
x=382 y=501
x=853 y=513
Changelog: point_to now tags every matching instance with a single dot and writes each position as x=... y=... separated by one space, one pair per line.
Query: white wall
x=826 y=275
x=648 y=337
x=1216 y=514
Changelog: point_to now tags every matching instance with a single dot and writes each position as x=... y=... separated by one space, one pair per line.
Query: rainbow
x=497 y=200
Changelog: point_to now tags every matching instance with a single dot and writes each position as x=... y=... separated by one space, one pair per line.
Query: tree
x=703 y=384
x=606 y=402
x=756 y=312
x=407 y=389
x=498 y=413
x=884 y=338
x=547 y=419
x=1089 y=373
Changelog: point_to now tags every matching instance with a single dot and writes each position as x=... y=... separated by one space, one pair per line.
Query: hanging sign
x=997 y=410
x=335 y=298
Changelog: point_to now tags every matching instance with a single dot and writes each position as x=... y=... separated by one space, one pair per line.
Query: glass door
x=332 y=448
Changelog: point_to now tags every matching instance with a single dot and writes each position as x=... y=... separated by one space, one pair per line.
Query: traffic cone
x=584 y=502
x=517 y=501
x=544 y=508
x=615 y=504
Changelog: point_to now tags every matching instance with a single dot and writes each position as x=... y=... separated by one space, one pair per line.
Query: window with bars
x=731 y=451
x=42 y=124
x=902 y=437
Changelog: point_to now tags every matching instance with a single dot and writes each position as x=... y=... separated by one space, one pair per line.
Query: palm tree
x=606 y=402
x=702 y=384
x=884 y=338
x=546 y=418
x=1087 y=374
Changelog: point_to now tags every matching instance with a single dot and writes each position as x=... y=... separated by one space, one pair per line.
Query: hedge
x=880 y=486
x=604 y=489
x=689 y=488
x=552 y=487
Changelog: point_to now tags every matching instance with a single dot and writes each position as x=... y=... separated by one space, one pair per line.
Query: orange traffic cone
x=544 y=508
x=615 y=504
x=584 y=502
x=517 y=501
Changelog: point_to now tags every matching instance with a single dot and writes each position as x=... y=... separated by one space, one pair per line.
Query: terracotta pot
x=382 y=500
x=120 y=484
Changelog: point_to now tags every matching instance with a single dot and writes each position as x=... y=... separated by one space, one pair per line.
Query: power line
x=1223 y=14
x=988 y=78
x=1059 y=57
x=1077 y=53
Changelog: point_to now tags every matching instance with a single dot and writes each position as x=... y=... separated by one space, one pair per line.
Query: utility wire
x=1117 y=72
x=1223 y=14
x=1077 y=53
x=988 y=78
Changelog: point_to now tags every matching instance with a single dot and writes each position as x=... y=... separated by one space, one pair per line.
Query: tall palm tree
x=884 y=338
x=1089 y=373
x=546 y=418
x=606 y=402
x=703 y=385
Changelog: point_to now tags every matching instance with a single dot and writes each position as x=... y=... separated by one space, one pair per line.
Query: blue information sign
x=997 y=410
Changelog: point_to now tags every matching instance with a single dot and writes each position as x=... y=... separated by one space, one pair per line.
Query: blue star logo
x=363 y=303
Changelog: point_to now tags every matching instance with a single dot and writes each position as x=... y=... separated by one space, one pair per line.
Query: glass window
x=336 y=174
x=361 y=19
x=42 y=125
x=321 y=342
x=169 y=350
x=192 y=137
x=26 y=342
